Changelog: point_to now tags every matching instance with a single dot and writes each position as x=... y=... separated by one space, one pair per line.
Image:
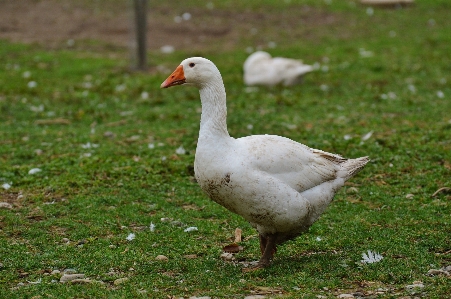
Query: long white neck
x=213 y=121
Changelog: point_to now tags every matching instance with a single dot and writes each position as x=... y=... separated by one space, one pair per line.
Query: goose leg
x=263 y=242
x=270 y=249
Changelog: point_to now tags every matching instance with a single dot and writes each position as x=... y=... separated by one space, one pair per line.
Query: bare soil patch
x=56 y=24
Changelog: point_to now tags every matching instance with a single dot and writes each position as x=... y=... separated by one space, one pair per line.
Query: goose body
x=262 y=69
x=280 y=186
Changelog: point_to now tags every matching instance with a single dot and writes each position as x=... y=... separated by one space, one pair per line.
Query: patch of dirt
x=64 y=23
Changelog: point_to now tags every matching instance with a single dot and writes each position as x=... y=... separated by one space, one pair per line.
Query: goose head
x=195 y=71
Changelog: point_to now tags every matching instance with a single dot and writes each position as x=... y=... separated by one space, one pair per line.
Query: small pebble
x=435 y=272
x=161 y=258
x=227 y=256
x=84 y=280
x=71 y=277
x=5 y=205
x=415 y=285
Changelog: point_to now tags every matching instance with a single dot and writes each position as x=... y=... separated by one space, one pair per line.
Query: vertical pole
x=140 y=33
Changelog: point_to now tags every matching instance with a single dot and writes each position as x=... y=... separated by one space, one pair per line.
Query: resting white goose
x=261 y=69
x=280 y=186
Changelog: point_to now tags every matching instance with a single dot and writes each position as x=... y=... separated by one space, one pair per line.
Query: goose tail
x=351 y=167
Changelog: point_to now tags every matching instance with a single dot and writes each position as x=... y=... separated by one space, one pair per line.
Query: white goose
x=262 y=69
x=280 y=186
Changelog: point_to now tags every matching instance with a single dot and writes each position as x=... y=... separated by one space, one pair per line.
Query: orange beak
x=176 y=78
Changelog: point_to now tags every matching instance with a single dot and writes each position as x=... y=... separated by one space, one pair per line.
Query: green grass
x=96 y=196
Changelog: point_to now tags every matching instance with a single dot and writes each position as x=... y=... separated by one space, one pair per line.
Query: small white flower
x=371 y=257
x=392 y=95
x=250 y=127
x=319 y=239
x=39 y=108
x=151 y=145
x=324 y=87
x=120 y=87
x=144 y=95
x=186 y=16
x=190 y=229
x=152 y=227
x=32 y=84
x=365 y=53
x=34 y=170
x=347 y=137
x=87 y=85
x=180 y=151
x=440 y=94
x=70 y=42
x=412 y=88
x=131 y=237
x=6 y=186
x=325 y=68
x=89 y=145
x=167 y=49
x=370 y=11
x=163 y=158
x=272 y=45
x=26 y=74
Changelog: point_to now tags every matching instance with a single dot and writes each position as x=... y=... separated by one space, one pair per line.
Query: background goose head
x=195 y=71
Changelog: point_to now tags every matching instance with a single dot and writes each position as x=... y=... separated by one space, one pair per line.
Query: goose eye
x=192 y=64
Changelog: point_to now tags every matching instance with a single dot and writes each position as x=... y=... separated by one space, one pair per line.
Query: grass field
x=106 y=143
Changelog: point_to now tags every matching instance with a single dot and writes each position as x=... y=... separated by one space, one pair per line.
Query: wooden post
x=140 y=7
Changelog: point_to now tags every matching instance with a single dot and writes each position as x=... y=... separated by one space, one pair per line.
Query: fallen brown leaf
x=238 y=232
x=232 y=248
